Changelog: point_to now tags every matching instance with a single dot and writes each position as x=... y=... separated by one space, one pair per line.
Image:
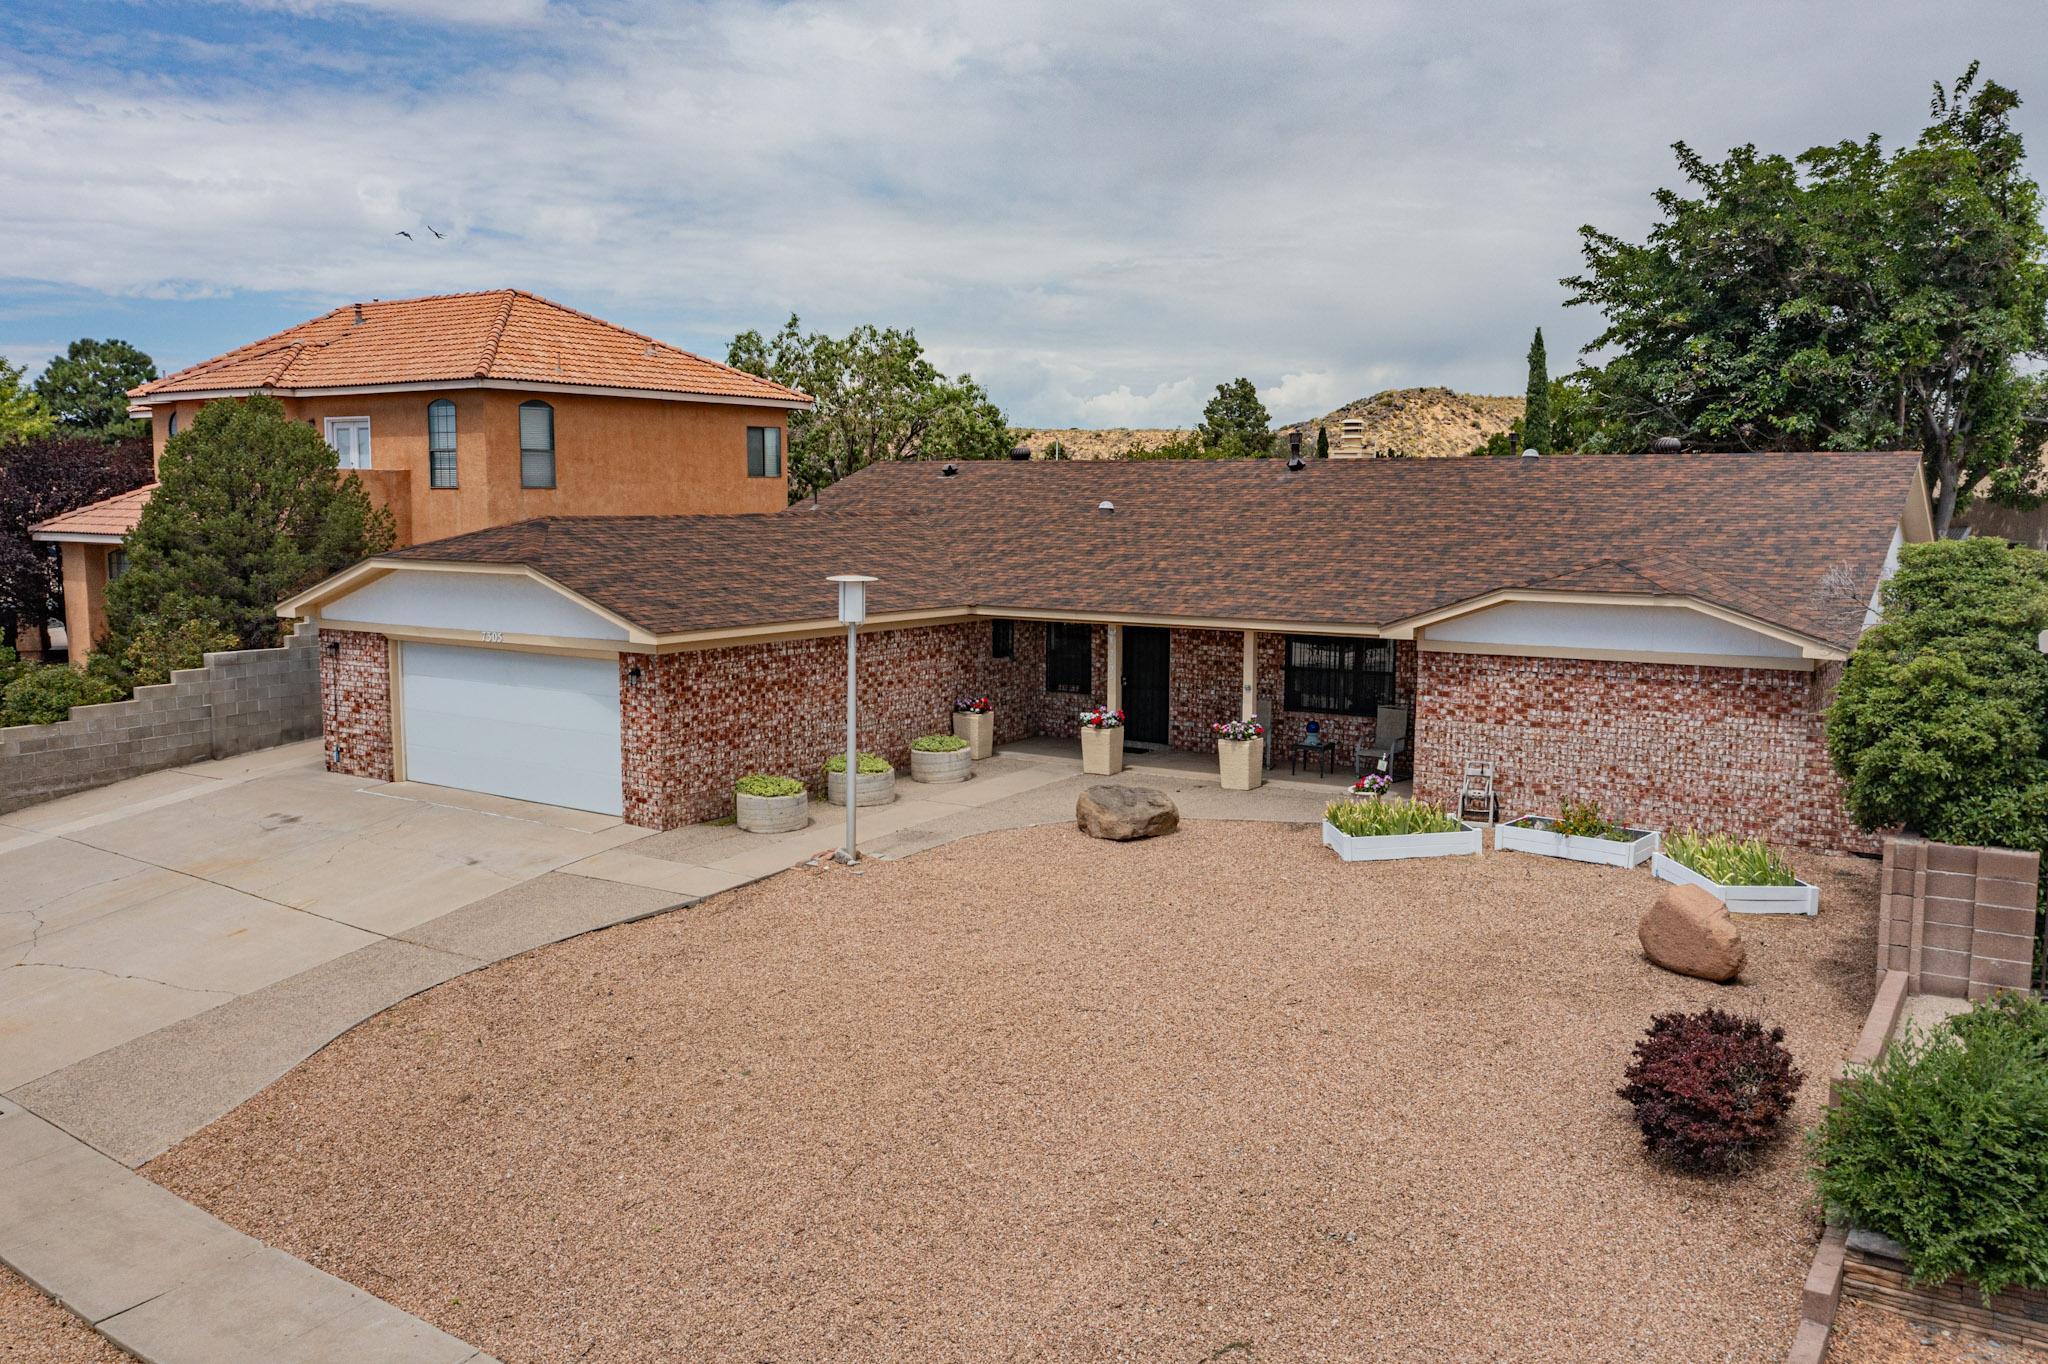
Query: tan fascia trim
x=510 y=385
x=307 y=602
x=737 y=635
x=1240 y=623
x=580 y=646
x=1918 y=521
x=954 y=615
x=1809 y=647
x=1788 y=665
x=74 y=537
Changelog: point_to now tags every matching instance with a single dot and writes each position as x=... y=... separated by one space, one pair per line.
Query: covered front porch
x=1182 y=764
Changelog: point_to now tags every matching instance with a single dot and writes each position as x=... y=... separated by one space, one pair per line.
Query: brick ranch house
x=1658 y=632
x=461 y=411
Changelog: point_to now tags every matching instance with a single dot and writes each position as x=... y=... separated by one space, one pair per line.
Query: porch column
x=1115 y=667
x=1251 y=675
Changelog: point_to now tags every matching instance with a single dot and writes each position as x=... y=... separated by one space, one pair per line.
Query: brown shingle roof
x=1795 y=540
x=504 y=334
x=116 y=515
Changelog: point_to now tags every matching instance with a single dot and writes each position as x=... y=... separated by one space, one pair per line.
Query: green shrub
x=1376 y=818
x=1729 y=860
x=939 y=743
x=159 y=645
x=762 y=784
x=11 y=665
x=1943 y=1146
x=1582 y=819
x=870 y=764
x=43 y=695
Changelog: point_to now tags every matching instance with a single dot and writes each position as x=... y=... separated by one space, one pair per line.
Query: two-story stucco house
x=464 y=411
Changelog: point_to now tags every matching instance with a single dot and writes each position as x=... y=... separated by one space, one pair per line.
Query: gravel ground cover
x=1216 y=1096
x=1865 y=1334
x=36 y=1330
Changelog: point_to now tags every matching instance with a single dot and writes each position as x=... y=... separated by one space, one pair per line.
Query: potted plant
x=1380 y=828
x=1580 y=833
x=1371 y=786
x=764 y=804
x=1102 y=742
x=941 y=757
x=974 y=719
x=1747 y=874
x=1240 y=752
x=874 y=783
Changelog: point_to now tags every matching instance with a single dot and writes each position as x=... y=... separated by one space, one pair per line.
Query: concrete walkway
x=173 y=955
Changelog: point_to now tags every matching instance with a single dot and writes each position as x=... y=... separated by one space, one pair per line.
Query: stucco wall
x=1659 y=746
x=240 y=700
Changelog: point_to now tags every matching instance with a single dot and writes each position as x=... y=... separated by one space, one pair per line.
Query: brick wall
x=355 y=703
x=1208 y=685
x=1958 y=921
x=239 y=700
x=1658 y=745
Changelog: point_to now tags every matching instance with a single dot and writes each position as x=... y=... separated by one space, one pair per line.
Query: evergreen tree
x=1536 y=413
x=1236 y=424
x=1322 y=442
x=86 y=389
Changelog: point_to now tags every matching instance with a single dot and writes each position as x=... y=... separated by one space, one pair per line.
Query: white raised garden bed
x=1803 y=897
x=1468 y=838
x=1536 y=837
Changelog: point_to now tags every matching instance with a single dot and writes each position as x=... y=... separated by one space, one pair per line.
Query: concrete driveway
x=134 y=906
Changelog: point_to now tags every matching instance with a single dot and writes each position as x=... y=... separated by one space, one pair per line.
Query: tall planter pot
x=872 y=788
x=1102 y=751
x=978 y=728
x=1241 y=763
x=957 y=765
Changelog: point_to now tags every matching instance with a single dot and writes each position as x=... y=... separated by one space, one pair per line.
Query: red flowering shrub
x=1709 y=1089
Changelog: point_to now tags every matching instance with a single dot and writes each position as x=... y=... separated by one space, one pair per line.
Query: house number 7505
x=493 y=636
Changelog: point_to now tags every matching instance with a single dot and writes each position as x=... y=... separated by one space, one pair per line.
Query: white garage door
x=532 y=726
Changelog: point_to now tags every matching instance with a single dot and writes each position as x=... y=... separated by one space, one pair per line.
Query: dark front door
x=1145 y=655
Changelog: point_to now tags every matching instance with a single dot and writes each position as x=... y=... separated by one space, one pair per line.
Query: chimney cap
x=359 y=314
x=1296 y=463
x=1020 y=452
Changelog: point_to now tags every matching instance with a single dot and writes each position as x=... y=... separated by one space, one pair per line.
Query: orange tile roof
x=116 y=515
x=504 y=334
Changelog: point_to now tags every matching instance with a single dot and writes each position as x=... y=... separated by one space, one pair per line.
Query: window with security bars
x=441 y=443
x=1067 y=657
x=1339 y=676
x=536 y=445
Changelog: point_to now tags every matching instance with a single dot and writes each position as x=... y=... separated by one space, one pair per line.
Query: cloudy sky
x=1100 y=209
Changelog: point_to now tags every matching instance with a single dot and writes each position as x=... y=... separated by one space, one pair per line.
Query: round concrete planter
x=771 y=814
x=875 y=788
x=940 y=767
x=978 y=728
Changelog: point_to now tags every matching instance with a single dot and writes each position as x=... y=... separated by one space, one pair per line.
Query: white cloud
x=1102 y=210
x=30 y=356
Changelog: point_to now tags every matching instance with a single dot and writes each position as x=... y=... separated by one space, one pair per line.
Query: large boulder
x=1125 y=812
x=1691 y=932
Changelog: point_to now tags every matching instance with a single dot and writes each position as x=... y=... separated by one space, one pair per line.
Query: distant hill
x=1424 y=423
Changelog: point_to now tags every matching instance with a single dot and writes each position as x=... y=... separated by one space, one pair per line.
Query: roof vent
x=359 y=314
x=1295 y=463
x=950 y=471
x=1532 y=453
x=1105 y=506
x=1666 y=445
x=1020 y=452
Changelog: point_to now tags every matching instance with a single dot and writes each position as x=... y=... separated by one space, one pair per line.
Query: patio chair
x=1476 y=795
x=1389 y=746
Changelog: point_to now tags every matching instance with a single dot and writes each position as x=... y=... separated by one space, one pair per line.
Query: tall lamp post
x=853 y=609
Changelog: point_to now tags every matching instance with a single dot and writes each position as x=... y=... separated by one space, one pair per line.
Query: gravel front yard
x=1031 y=1096
x=36 y=1330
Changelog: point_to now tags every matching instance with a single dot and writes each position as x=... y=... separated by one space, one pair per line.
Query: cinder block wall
x=240 y=700
x=1958 y=921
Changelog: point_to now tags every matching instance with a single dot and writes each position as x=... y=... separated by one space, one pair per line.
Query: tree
x=22 y=414
x=1940 y=720
x=39 y=478
x=1841 y=299
x=1179 y=445
x=249 y=509
x=877 y=398
x=1236 y=424
x=1322 y=441
x=1536 y=410
x=86 y=388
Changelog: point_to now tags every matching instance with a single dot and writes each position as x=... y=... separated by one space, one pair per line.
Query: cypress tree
x=1536 y=412
x=1322 y=442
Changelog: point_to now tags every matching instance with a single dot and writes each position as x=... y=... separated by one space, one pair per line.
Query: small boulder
x=1691 y=932
x=1123 y=813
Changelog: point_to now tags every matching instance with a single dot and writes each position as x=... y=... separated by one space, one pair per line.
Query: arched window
x=536 y=445
x=171 y=428
x=441 y=443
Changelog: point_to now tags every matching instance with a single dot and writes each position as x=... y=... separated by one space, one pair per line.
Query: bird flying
x=437 y=235
x=405 y=234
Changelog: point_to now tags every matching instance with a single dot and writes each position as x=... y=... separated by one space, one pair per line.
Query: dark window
x=441 y=443
x=1002 y=639
x=171 y=427
x=117 y=563
x=1339 y=676
x=536 y=445
x=1067 y=660
x=764 y=452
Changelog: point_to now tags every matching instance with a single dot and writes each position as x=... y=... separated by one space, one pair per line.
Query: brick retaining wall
x=1658 y=745
x=1875 y=1269
x=1958 y=921
x=239 y=700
